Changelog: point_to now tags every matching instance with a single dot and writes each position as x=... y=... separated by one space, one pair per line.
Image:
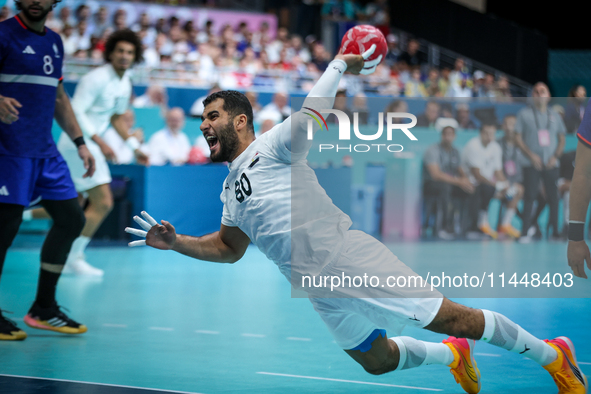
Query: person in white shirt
x=155 y=96
x=197 y=107
x=277 y=109
x=170 y=145
x=123 y=153
x=101 y=98
x=482 y=160
x=296 y=225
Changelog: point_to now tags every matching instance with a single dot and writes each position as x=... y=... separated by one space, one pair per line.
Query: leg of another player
x=100 y=203
x=11 y=216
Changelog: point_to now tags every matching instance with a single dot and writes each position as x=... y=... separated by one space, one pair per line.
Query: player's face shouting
x=36 y=10
x=123 y=56
x=218 y=130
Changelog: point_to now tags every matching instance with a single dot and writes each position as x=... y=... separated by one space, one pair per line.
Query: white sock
x=508 y=216
x=78 y=246
x=502 y=332
x=415 y=353
x=482 y=218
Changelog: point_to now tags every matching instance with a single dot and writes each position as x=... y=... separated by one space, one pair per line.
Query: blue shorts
x=26 y=179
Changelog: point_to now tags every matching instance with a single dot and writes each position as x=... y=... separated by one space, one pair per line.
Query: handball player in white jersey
x=296 y=225
x=101 y=99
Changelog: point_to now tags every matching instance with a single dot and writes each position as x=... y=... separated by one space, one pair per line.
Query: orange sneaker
x=564 y=370
x=485 y=228
x=464 y=368
x=510 y=231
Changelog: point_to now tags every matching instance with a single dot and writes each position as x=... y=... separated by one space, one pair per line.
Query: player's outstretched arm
x=580 y=195
x=64 y=115
x=225 y=246
x=123 y=130
x=323 y=94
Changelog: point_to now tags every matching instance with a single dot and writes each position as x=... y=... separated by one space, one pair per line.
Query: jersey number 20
x=242 y=187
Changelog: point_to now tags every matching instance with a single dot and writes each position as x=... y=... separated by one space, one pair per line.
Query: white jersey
x=99 y=95
x=165 y=147
x=281 y=216
x=487 y=159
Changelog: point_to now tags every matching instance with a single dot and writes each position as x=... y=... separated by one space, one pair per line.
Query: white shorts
x=102 y=174
x=350 y=317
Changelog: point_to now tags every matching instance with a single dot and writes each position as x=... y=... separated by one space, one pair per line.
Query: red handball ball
x=360 y=38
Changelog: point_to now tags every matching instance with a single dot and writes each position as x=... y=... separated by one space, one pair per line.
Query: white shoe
x=525 y=239
x=79 y=266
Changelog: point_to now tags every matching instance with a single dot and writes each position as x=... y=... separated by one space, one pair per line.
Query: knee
x=376 y=367
x=104 y=205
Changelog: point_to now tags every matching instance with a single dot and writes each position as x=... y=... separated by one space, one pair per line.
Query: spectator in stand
x=65 y=16
x=83 y=13
x=429 y=117
x=69 y=40
x=393 y=50
x=170 y=145
x=298 y=49
x=338 y=10
x=478 y=82
x=360 y=107
x=81 y=36
x=154 y=96
x=503 y=89
x=266 y=125
x=512 y=160
x=100 y=23
x=396 y=106
x=575 y=109
x=340 y=103
x=412 y=56
x=485 y=85
x=463 y=117
x=444 y=178
x=197 y=108
x=540 y=136
x=253 y=98
x=459 y=73
x=277 y=109
x=414 y=87
x=145 y=29
x=462 y=90
x=120 y=19
x=320 y=56
x=432 y=83
x=123 y=153
x=204 y=35
x=444 y=81
x=482 y=159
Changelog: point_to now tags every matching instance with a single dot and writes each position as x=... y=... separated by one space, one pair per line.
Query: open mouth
x=212 y=141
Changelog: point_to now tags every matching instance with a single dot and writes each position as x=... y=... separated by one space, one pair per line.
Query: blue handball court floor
x=159 y=322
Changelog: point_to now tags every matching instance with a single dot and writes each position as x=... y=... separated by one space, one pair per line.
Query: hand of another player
x=466 y=185
x=578 y=252
x=8 y=110
x=141 y=157
x=158 y=236
x=537 y=162
x=88 y=160
x=358 y=64
x=108 y=152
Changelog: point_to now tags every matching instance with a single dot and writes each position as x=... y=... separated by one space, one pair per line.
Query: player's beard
x=227 y=144
x=37 y=18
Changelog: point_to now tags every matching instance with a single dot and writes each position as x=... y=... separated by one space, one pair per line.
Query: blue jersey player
x=31 y=168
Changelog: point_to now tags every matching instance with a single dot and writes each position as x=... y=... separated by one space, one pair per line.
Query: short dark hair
x=235 y=103
x=487 y=124
x=19 y=6
x=126 y=35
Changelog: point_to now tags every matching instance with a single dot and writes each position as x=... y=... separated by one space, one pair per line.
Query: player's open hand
x=157 y=236
x=8 y=110
x=88 y=160
x=358 y=64
x=578 y=252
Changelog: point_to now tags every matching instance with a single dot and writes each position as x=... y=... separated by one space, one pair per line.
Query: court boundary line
x=348 y=381
x=99 y=384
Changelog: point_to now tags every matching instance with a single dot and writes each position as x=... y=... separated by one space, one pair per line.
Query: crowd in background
x=180 y=52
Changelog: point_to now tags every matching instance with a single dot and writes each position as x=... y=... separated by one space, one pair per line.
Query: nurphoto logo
x=345 y=130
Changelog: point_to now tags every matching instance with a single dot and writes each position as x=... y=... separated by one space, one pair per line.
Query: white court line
x=348 y=381
x=252 y=335
x=487 y=354
x=298 y=339
x=115 y=325
x=100 y=384
x=582 y=363
x=161 y=328
x=207 y=332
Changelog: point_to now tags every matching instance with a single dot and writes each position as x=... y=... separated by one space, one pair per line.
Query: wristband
x=79 y=142
x=132 y=143
x=576 y=231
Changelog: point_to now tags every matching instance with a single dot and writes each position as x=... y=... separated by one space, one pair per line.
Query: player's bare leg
x=100 y=203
